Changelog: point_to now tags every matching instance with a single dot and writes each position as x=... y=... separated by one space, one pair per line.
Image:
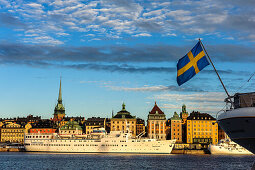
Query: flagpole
x=215 y=69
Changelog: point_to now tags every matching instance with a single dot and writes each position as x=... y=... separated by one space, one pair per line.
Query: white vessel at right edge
x=239 y=120
x=228 y=147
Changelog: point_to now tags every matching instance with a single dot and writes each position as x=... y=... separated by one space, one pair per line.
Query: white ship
x=98 y=142
x=228 y=147
x=239 y=121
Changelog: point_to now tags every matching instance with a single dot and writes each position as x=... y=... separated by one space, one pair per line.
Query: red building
x=43 y=126
x=42 y=130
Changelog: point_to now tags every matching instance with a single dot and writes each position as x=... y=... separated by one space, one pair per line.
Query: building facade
x=140 y=127
x=122 y=120
x=71 y=128
x=43 y=126
x=156 y=123
x=12 y=132
x=202 y=128
x=176 y=128
x=95 y=122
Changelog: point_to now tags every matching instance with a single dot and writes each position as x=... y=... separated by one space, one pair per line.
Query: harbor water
x=25 y=160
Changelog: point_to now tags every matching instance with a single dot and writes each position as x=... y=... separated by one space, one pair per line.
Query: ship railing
x=141 y=134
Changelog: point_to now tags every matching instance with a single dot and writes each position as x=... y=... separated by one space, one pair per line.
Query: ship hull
x=239 y=125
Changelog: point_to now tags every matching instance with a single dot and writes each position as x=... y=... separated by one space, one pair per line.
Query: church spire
x=60 y=94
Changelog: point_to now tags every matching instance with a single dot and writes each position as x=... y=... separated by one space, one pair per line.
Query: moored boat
x=228 y=147
x=115 y=142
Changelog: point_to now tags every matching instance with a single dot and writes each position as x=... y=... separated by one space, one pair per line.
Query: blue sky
x=115 y=51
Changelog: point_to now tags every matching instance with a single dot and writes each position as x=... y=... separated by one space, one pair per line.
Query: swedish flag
x=189 y=65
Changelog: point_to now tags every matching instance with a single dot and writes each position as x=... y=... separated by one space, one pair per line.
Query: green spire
x=183 y=108
x=60 y=94
x=123 y=107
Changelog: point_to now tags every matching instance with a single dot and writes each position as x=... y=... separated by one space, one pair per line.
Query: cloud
x=152 y=88
x=211 y=102
x=9 y=20
x=118 y=53
x=120 y=18
x=143 y=35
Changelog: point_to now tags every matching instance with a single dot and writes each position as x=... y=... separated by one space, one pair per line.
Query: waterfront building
x=29 y=119
x=123 y=118
x=28 y=126
x=140 y=126
x=184 y=115
x=156 y=123
x=176 y=128
x=59 y=111
x=71 y=127
x=221 y=134
x=12 y=132
x=1 y=124
x=79 y=119
x=43 y=126
x=202 y=128
x=168 y=129
x=95 y=122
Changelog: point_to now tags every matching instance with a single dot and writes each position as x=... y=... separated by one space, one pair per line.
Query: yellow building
x=95 y=122
x=12 y=132
x=202 y=128
x=122 y=119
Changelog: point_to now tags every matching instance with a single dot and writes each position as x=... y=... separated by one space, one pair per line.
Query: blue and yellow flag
x=189 y=65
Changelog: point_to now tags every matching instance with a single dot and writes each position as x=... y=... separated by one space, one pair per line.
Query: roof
x=71 y=125
x=175 y=117
x=95 y=121
x=200 y=116
x=156 y=110
x=123 y=113
x=43 y=124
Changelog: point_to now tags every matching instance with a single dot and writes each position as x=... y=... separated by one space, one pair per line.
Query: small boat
x=228 y=147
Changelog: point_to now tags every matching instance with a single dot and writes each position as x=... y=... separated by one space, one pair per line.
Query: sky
x=113 y=51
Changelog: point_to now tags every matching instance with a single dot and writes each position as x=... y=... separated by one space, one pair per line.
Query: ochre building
x=176 y=128
x=202 y=128
x=12 y=132
x=122 y=120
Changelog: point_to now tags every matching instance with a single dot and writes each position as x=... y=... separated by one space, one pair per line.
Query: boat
x=228 y=147
x=114 y=142
x=238 y=120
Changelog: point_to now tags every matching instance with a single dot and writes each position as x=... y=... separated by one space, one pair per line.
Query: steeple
x=60 y=94
x=59 y=111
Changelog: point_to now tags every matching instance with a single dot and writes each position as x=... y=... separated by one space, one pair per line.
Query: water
x=22 y=160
